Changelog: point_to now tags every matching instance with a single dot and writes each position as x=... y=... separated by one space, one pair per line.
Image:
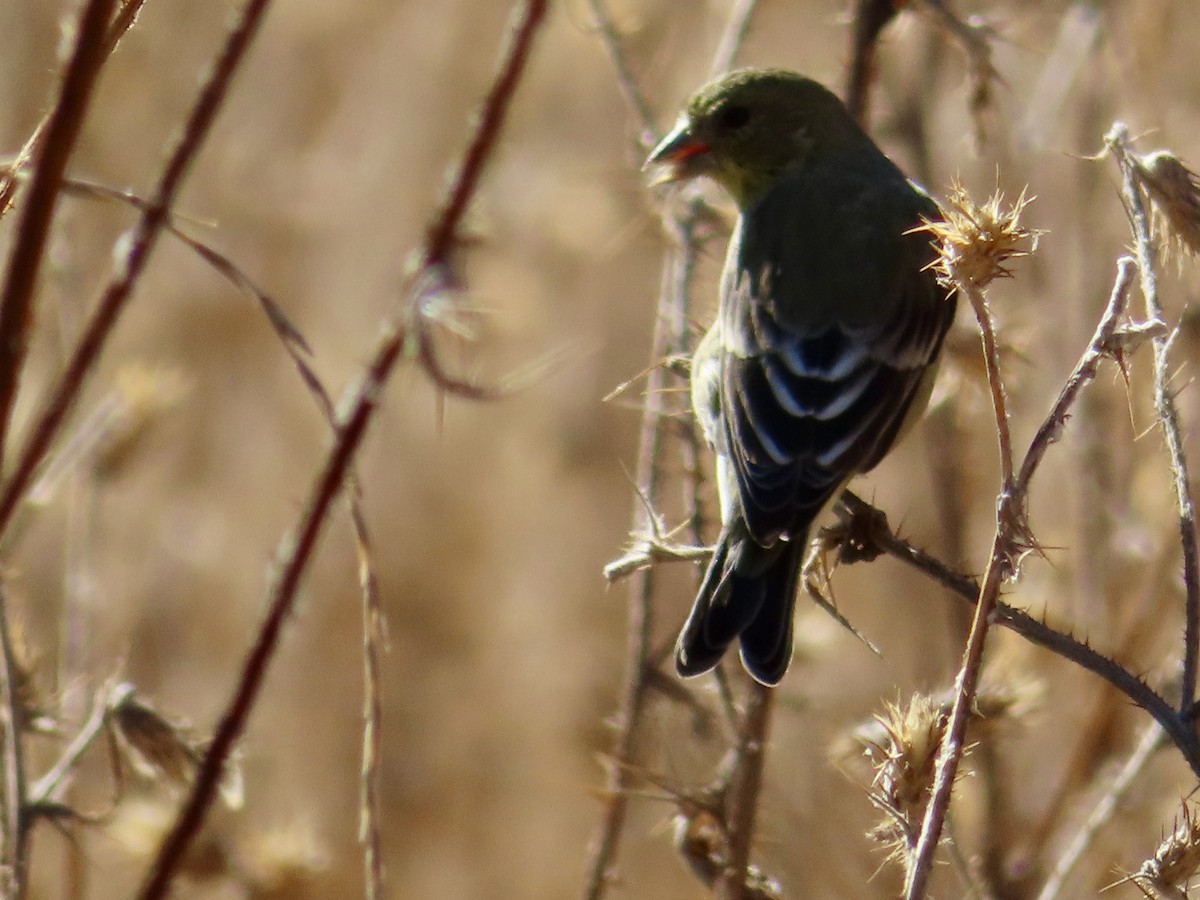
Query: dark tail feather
x=748 y=592
x=767 y=641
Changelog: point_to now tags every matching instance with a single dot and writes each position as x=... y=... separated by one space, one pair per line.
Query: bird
x=825 y=344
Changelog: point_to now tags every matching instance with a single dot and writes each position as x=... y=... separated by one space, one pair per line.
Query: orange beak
x=680 y=156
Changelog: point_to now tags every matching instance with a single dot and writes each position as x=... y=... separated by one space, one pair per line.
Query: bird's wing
x=830 y=321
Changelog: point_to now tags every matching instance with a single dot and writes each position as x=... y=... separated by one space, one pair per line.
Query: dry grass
x=135 y=567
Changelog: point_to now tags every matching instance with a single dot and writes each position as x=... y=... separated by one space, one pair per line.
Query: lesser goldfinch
x=824 y=345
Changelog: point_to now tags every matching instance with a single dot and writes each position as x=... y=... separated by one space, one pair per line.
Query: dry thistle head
x=1174 y=191
x=1168 y=873
x=974 y=242
x=903 y=748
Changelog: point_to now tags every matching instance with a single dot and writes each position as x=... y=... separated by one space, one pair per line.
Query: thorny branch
x=1117 y=141
x=684 y=221
x=1011 y=529
x=952 y=745
x=408 y=327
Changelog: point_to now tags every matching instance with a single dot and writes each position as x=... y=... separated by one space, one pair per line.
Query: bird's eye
x=733 y=117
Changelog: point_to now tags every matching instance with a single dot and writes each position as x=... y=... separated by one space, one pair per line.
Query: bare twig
x=1151 y=740
x=62 y=130
x=370 y=832
x=870 y=18
x=968 y=677
x=1010 y=528
x=132 y=263
x=1036 y=631
x=683 y=221
x=1108 y=340
x=742 y=795
x=46 y=789
x=1117 y=141
x=297 y=548
x=121 y=23
x=737 y=26
x=602 y=852
x=631 y=90
x=53 y=151
x=15 y=853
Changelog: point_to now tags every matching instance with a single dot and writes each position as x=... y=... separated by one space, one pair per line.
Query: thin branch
x=991 y=358
x=1105 y=343
x=745 y=785
x=737 y=26
x=1034 y=630
x=952 y=745
x=370 y=832
x=46 y=789
x=1151 y=741
x=1117 y=141
x=1010 y=528
x=125 y=18
x=631 y=90
x=137 y=250
x=296 y=550
x=870 y=18
x=683 y=220
x=15 y=855
x=62 y=131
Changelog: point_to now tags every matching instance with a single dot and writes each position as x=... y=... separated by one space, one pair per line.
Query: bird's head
x=749 y=127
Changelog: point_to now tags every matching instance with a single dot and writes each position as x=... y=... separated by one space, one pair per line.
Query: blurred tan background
x=492 y=522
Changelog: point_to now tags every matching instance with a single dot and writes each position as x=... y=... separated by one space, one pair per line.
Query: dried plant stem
x=396 y=336
x=737 y=26
x=603 y=851
x=46 y=788
x=681 y=221
x=870 y=18
x=742 y=794
x=132 y=263
x=952 y=745
x=53 y=150
x=635 y=97
x=991 y=358
x=1117 y=141
x=1037 y=632
x=62 y=130
x=1009 y=526
x=14 y=851
x=967 y=683
x=121 y=23
x=370 y=832
x=1148 y=744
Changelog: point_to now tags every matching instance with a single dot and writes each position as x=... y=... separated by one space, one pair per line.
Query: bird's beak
x=680 y=155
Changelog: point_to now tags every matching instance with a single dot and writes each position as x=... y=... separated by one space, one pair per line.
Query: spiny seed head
x=902 y=744
x=1174 y=864
x=975 y=242
x=905 y=759
x=1174 y=190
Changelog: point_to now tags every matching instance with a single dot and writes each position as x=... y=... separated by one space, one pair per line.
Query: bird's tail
x=748 y=592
